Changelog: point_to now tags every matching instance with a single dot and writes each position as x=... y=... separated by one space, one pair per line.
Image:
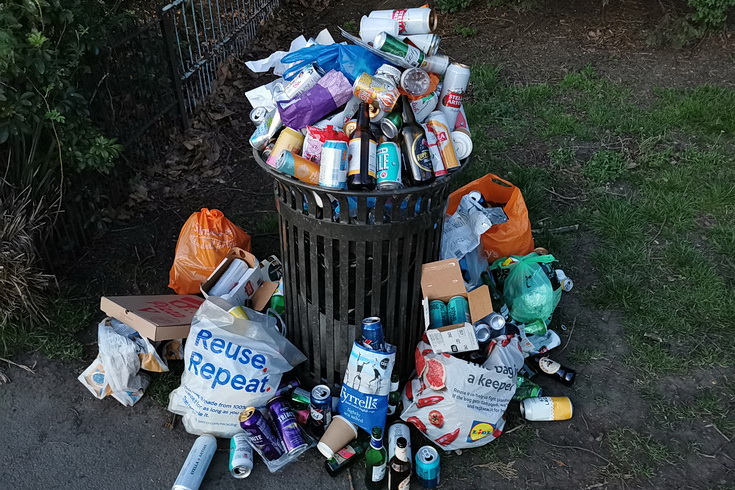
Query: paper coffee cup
x=339 y=433
x=369 y=28
x=462 y=143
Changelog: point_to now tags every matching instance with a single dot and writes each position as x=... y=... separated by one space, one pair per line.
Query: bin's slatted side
x=344 y=293
x=330 y=309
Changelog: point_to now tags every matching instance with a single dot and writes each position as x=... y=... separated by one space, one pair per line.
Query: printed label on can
x=389 y=165
x=549 y=366
x=420 y=150
x=378 y=473
x=413 y=55
x=354 y=158
x=400 y=17
x=453 y=99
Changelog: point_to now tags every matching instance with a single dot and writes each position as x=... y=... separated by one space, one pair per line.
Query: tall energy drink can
x=333 y=171
x=241 y=456
x=320 y=406
x=438 y=124
x=396 y=430
x=410 y=21
x=286 y=425
x=427 y=467
x=389 y=166
x=372 y=334
x=455 y=85
x=303 y=169
x=260 y=434
x=196 y=464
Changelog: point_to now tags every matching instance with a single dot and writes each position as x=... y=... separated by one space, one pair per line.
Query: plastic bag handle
x=497 y=179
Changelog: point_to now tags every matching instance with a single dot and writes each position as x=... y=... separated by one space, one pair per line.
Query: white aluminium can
x=241 y=456
x=455 y=85
x=196 y=464
x=410 y=21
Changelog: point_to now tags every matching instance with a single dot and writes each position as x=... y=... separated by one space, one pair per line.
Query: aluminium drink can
x=455 y=85
x=424 y=106
x=439 y=63
x=286 y=425
x=241 y=456
x=391 y=124
x=392 y=45
x=306 y=79
x=410 y=21
x=260 y=434
x=438 y=124
x=333 y=171
x=438 y=316
x=320 y=406
x=389 y=166
x=376 y=89
x=290 y=140
x=196 y=464
x=372 y=334
x=458 y=310
x=285 y=388
x=303 y=169
x=258 y=115
x=427 y=467
x=437 y=163
x=428 y=43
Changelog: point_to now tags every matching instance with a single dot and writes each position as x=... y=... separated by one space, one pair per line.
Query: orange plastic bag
x=205 y=239
x=505 y=239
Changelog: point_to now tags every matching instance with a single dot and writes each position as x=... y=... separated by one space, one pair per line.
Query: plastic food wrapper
x=349 y=59
x=457 y=404
x=122 y=353
x=229 y=364
x=205 y=239
x=331 y=92
x=315 y=138
x=527 y=289
x=461 y=236
x=532 y=345
x=366 y=386
x=274 y=60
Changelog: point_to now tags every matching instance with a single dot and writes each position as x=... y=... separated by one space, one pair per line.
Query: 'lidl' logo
x=479 y=430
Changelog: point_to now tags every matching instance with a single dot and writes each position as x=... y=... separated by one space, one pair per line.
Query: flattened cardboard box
x=442 y=280
x=161 y=317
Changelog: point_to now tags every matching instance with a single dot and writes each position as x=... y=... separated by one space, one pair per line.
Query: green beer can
x=392 y=45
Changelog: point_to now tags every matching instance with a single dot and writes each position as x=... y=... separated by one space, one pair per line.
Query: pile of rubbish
x=384 y=112
x=487 y=303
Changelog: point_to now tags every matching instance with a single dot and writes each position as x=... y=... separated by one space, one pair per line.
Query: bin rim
x=288 y=180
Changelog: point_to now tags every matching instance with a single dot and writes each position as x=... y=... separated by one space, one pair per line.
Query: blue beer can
x=389 y=166
x=333 y=171
x=372 y=334
x=427 y=467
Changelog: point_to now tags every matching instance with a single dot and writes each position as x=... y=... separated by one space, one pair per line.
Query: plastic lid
x=325 y=450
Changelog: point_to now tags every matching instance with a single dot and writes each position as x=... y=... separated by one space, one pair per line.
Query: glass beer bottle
x=376 y=459
x=361 y=171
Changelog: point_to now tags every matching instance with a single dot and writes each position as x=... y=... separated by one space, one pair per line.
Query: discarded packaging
x=159 y=317
x=241 y=456
x=196 y=464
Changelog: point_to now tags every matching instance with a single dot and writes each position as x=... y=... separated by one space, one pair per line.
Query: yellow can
x=289 y=140
x=238 y=312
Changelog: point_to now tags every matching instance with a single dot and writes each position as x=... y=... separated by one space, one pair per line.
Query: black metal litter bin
x=348 y=255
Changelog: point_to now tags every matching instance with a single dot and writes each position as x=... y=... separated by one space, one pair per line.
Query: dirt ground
x=57 y=435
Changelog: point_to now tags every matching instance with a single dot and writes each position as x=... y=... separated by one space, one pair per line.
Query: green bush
x=710 y=14
x=452 y=6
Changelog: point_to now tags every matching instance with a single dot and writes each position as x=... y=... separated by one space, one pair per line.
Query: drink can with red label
x=410 y=21
x=424 y=106
x=455 y=85
x=437 y=163
x=437 y=124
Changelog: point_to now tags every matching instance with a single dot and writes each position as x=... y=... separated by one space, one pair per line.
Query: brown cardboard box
x=442 y=280
x=254 y=289
x=162 y=317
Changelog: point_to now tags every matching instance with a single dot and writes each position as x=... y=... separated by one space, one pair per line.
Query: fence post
x=169 y=38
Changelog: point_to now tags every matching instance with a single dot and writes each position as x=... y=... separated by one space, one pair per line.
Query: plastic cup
x=339 y=433
x=369 y=28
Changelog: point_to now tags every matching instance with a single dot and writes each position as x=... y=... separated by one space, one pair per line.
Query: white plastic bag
x=465 y=409
x=229 y=364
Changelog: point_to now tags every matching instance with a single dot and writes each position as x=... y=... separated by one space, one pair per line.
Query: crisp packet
x=331 y=92
x=315 y=138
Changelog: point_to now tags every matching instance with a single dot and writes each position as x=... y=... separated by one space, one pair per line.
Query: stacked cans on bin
x=403 y=125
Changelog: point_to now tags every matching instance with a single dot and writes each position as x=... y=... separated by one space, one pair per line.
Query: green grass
x=55 y=339
x=162 y=384
x=465 y=31
x=635 y=455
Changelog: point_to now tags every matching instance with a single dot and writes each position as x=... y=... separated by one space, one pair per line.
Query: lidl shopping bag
x=229 y=364
x=366 y=386
x=458 y=404
x=204 y=240
x=503 y=239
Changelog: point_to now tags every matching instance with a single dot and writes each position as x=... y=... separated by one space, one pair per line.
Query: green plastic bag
x=527 y=289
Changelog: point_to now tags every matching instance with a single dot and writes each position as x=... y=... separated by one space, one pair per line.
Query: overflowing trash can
x=349 y=255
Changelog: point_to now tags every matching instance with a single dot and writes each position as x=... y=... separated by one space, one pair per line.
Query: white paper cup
x=339 y=433
x=369 y=28
x=462 y=143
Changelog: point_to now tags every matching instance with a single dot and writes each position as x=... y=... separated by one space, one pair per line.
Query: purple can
x=260 y=434
x=285 y=421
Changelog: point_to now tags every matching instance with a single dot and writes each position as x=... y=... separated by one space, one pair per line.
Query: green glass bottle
x=376 y=459
x=394 y=397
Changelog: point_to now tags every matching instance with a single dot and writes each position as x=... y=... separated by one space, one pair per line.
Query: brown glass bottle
x=416 y=156
x=362 y=158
